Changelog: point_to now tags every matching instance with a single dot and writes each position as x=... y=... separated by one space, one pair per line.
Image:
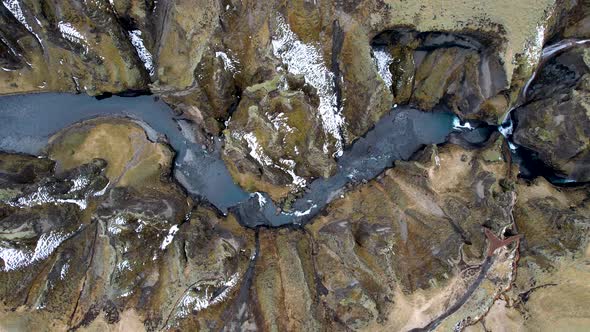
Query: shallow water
x=28 y=121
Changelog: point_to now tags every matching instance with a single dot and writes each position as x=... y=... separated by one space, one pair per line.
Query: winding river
x=28 y=121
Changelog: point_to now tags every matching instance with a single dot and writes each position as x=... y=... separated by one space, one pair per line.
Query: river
x=28 y=121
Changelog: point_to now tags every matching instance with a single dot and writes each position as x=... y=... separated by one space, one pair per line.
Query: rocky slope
x=395 y=253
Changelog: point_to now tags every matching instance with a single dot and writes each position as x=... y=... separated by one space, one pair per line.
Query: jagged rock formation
x=283 y=142
x=99 y=238
x=395 y=253
x=67 y=46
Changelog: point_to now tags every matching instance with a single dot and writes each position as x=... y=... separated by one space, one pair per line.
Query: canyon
x=241 y=165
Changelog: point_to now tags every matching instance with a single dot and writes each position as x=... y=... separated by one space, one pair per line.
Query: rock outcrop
x=100 y=243
x=554 y=122
x=87 y=244
x=549 y=291
x=458 y=72
x=274 y=143
x=68 y=46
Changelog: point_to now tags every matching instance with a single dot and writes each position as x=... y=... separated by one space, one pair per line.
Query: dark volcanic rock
x=555 y=120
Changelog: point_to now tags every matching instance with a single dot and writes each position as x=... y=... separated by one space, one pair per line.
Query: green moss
x=492 y=155
x=507 y=185
x=543 y=134
x=8 y=194
x=268 y=86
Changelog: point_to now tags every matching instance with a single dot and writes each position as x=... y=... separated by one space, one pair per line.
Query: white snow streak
x=279 y=121
x=228 y=63
x=70 y=33
x=79 y=184
x=383 y=59
x=196 y=302
x=14 y=7
x=261 y=199
x=142 y=51
x=20 y=258
x=115 y=225
x=290 y=169
x=102 y=191
x=64 y=271
x=168 y=239
x=42 y=196
x=256 y=150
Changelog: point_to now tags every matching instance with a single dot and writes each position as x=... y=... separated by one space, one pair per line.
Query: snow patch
x=382 y=60
x=115 y=225
x=79 y=184
x=124 y=265
x=144 y=55
x=70 y=33
x=228 y=63
x=168 y=239
x=256 y=151
x=279 y=121
x=102 y=191
x=298 y=181
x=261 y=199
x=64 y=271
x=195 y=302
x=19 y=258
x=42 y=196
x=14 y=7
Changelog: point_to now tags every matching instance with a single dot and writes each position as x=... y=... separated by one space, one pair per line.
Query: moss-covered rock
x=82 y=247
